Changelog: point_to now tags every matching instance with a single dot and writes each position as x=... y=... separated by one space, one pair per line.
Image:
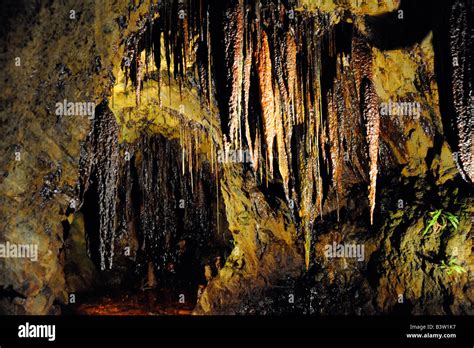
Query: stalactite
x=183 y=150
x=257 y=150
x=209 y=73
x=267 y=100
x=184 y=15
x=318 y=116
x=139 y=68
x=234 y=56
x=373 y=129
x=246 y=97
x=283 y=160
x=209 y=89
x=156 y=38
x=308 y=113
x=335 y=149
x=291 y=73
x=102 y=164
x=279 y=78
x=461 y=60
x=352 y=126
x=282 y=59
x=172 y=206
x=283 y=119
x=369 y=99
x=125 y=208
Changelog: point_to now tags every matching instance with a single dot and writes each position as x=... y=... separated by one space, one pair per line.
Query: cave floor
x=148 y=302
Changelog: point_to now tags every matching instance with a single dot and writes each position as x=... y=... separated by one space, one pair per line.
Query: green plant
x=439 y=220
x=453 y=219
x=452 y=267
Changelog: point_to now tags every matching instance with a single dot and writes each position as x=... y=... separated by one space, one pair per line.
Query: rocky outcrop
x=42 y=66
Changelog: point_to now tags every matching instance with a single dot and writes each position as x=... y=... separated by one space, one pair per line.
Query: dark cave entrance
x=157 y=225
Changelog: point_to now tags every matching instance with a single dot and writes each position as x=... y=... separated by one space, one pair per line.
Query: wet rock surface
x=139 y=195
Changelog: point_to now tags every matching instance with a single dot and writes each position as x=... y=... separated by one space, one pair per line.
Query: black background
x=289 y=331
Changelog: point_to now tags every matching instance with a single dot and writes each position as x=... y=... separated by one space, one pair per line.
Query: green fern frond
x=453 y=219
x=434 y=219
x=452 y=267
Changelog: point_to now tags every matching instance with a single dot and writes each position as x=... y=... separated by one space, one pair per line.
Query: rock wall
x=301 y=87
x=49 y=54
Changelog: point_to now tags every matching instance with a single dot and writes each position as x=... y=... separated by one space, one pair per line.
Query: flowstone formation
x=232 y=145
